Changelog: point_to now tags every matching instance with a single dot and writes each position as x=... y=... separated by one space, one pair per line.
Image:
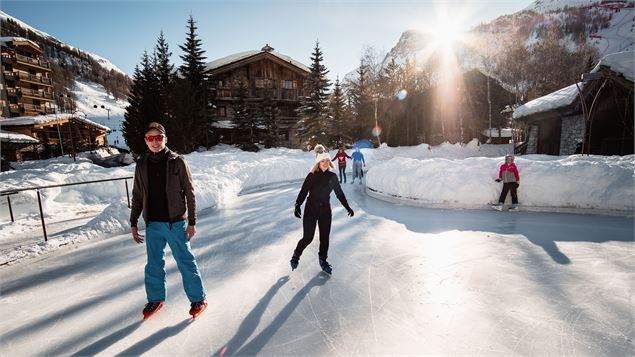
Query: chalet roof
x=558 y=99
x=44 y=119
x=621 y=62
x=6 y=41
x=236 y=57
x=16 y=138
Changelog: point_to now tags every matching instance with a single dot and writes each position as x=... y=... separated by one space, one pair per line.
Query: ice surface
x=406 y=281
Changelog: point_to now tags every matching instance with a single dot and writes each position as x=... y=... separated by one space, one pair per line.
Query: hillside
x=69 y=63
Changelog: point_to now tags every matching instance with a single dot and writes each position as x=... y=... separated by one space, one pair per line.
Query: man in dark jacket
x=164 y=192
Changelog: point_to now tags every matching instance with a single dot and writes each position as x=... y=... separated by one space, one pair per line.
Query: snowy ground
x=406 y=281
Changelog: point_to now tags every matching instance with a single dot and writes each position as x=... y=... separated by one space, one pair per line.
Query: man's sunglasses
x=151 y=138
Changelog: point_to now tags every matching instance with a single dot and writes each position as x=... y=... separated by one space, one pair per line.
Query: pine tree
x=270 y=114
x=192 y=71
x=144 y=105
x=361 y=102
x=314 y=108
x=164 y=71
x=338 y=116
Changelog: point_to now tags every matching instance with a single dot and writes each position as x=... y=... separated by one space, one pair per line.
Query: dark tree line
x=179 y=100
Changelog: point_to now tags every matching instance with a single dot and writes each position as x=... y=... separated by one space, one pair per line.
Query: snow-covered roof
x=246 y=54
x=16 y=138
x=505 y=133
x=43 y=119
x=5 y=40
x=620 y=62
x=558 y=99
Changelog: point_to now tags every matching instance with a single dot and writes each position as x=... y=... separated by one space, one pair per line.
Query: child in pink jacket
x=508 y=173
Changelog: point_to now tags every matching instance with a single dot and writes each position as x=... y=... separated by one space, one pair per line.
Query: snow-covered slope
x=553 y=5
x=618 y=35
x=87 y=95
x=105 y=63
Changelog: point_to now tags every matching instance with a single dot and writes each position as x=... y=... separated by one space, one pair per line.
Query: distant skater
x=358 y=161
x=508 y=173
x=341 y=163
x=318 y=186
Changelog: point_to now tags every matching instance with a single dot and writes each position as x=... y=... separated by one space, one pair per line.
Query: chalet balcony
x=33 y=62
x=32 y=78
x=37 y=94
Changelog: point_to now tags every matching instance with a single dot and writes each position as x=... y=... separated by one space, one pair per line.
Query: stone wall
x=532 y=139
x=572 y=134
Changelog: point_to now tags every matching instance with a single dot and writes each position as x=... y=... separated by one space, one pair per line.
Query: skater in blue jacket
x=358 y=161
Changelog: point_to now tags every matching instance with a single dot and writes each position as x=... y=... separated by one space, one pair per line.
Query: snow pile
x=445 y=150
x=579 y=182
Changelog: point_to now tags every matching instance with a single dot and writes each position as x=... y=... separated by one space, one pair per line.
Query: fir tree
x=144 y=105
x=314 y=108
x=270 y=114
x=164 y=72
x=192 y=71
x=338 y=116
x=361 y=101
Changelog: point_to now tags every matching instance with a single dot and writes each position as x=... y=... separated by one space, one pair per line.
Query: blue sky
x=122 y=30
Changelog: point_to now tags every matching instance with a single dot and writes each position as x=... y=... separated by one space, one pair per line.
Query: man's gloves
x=298 y=211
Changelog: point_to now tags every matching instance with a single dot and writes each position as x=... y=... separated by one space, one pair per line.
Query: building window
x=289 y=84
x=260 y=83
x=220 y=84
x=222 y=111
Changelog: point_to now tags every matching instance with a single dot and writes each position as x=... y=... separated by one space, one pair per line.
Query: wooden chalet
x=267 y=75
x=26 y=87
x=594 y=116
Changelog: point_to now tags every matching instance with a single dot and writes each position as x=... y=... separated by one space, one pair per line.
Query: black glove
x=517 y=184
x=298 y=211
x=498 y=180
x=350 y=212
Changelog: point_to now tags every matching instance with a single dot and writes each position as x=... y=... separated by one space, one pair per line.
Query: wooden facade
x=63 y=134
x=267 y=75
x=26 y=87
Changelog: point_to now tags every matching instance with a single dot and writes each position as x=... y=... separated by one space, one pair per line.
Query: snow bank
x=219 y=176
x=581 y=182
x=445 y=150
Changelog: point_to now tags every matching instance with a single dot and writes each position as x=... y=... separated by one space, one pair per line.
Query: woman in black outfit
x=318 y=185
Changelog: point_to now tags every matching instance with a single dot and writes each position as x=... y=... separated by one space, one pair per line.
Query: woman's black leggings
x=320 y=216
x=343 y=173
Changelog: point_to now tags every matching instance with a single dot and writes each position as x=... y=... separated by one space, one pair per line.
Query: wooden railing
x=29 y=60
